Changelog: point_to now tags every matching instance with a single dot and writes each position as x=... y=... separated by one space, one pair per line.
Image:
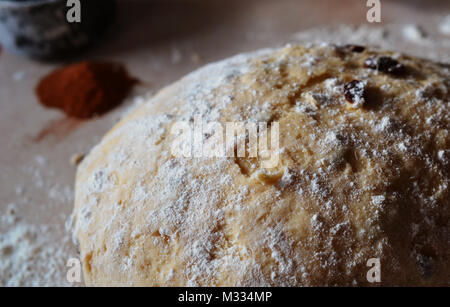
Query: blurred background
x=159 y=42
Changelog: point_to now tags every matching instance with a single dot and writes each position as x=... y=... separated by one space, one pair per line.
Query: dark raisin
x=391 y=66
x=355 y=48
x=386 y=64
x=354 y=92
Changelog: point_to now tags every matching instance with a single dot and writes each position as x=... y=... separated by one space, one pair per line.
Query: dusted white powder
x=30 y=256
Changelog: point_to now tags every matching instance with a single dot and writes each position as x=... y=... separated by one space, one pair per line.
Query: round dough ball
x=363 y=172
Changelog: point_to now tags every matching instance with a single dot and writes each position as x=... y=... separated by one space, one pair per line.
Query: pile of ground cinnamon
x=86 y=89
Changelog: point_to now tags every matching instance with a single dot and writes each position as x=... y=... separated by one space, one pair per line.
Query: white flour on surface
x=444 y=27
x=31 y=256
x=417 y=40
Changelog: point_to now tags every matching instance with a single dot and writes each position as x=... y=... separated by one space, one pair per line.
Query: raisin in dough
x=363 y=173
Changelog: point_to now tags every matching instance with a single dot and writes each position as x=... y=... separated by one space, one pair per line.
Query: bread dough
x=363 y=173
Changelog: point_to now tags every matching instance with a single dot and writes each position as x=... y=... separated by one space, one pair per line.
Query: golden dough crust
x=356 y=180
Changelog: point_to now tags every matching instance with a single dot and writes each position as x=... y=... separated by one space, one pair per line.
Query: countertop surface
x=159 y=42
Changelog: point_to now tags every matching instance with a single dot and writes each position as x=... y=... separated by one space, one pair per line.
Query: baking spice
x=56 y=129
x=86 y=89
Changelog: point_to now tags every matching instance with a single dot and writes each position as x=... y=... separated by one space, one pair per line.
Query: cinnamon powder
x=86 y=89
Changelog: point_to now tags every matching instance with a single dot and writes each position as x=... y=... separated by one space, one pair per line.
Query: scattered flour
x=34 y=254
x=414 y=33
x=413 y=39
x=30 y=256
x=444 y=27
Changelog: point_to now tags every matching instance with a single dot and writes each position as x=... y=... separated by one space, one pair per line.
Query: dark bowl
x=39 y=28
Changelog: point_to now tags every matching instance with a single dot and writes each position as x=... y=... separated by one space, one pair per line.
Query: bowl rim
x=26 y=3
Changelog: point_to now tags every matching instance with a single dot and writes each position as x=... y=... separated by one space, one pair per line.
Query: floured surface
x=37 y=179
x=32 y=255
x=430 y=42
